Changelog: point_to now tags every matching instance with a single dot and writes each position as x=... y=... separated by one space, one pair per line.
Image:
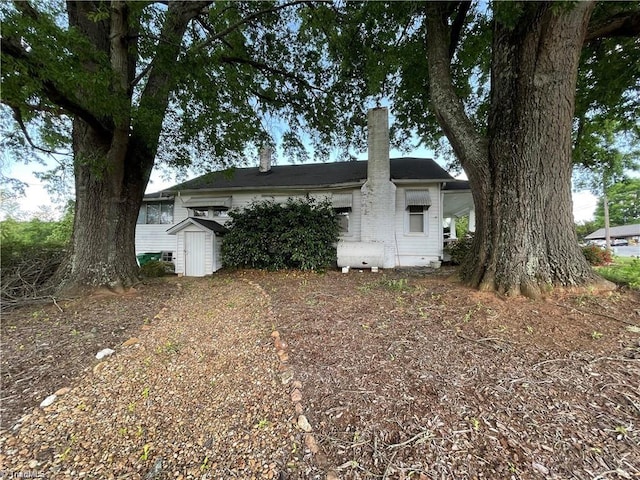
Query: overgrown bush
x=156 y=268
x=596 y=255
x=299 y=234
x=459 y=249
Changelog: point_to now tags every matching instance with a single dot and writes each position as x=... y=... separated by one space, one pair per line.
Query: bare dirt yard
x=289 y=375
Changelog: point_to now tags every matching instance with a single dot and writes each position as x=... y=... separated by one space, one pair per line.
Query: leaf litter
x=398 y=375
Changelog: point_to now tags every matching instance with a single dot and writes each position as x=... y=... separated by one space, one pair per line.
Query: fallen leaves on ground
x=395 y=375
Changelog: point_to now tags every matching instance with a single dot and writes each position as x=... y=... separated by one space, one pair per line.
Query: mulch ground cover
x=400 y=374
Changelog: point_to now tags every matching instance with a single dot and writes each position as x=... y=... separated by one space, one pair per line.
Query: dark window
x=343 y=218
x=156 y=213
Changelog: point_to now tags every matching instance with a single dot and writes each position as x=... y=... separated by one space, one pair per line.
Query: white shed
x=198 y=246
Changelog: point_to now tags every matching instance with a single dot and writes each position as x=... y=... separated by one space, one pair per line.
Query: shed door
x=194 y=246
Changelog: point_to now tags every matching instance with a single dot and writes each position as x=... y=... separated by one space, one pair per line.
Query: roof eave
x=268 y=188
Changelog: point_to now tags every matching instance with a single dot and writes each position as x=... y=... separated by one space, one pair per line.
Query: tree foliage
x=499 y=81
x=246 y=74
x=125 y=86
x=299 y=234
x=624 y=204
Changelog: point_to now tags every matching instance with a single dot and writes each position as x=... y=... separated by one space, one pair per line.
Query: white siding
x=180 y=212
x=154 y=238
x=418 y=249
x=179 y=261
x=412 y=249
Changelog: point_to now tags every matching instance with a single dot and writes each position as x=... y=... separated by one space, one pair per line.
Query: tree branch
x=625 y=24
x=248 y=19
x=14 y=49
x=26 y=9
x=470 y=147
x=17 y=115
x=456 y=27
x=263 y=66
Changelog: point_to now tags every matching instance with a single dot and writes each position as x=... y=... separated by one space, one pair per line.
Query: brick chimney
x=378 y=192
x=265 y=160
x=378 y=169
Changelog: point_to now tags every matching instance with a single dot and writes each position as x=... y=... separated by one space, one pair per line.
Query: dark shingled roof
x=211 y=225
x=622 y=231
x=313 y=175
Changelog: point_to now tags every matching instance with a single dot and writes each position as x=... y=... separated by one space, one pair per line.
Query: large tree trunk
x=525 y=239
x=107 y=205
x=527 y=220
x=114 y=154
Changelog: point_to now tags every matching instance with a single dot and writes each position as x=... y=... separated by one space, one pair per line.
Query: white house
x=391 y=210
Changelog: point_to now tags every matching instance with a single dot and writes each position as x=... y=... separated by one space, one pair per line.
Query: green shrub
x=299 y=234
x=596 y=255
x=623 y=272
x=459 y=249
x=156 y=268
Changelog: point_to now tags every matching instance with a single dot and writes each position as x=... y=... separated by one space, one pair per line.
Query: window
x=200 y=212
x=342 y=203
x=156 y=213
x=220 y=212
x=417 y=202
x=343 y=219
x=416 y=219
x=209 y=212
x=167 y=257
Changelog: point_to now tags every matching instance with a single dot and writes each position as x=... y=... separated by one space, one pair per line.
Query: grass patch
x=623 y=271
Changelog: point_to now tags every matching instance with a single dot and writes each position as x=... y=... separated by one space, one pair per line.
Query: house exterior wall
x=154 y=238
x=179 y=258
x=408 y=249
x=418 y=249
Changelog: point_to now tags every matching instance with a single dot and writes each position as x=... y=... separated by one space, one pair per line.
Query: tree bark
x=112 y=166
x=525 y=240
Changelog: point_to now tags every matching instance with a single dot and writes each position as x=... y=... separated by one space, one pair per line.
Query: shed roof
x=622 y=231
x=212 y=225
x=311 y=175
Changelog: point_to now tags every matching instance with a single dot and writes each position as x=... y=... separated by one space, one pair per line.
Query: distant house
x=391 y=211
x=630 y=233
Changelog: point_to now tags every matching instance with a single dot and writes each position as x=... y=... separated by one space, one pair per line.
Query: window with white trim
x=417 y=203
x=343 y=219
x=220 y=212
x=342 y=204
x=209 y=212
x=416 y=219
x=200 y=212
x=156 y=213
